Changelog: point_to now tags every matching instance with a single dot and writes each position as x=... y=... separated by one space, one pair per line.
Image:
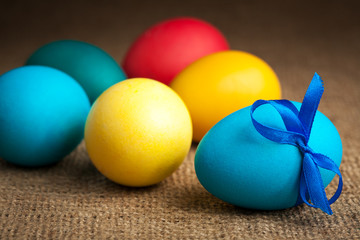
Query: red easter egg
x=166 y=48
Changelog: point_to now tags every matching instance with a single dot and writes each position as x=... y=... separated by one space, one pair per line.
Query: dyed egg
x=42 y=115
x=237 y=164
x=222 y=83
x=138 y=132
x=166 y=48
x=93 y=68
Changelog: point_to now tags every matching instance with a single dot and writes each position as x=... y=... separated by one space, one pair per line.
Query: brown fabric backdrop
x=72 y=200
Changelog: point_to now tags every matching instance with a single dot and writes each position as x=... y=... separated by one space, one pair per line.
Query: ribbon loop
x=298 y=128
x=310 y=103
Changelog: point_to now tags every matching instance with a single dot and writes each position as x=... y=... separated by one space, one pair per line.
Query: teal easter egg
x=93 y=68
x=42 y=115
x=237 y=164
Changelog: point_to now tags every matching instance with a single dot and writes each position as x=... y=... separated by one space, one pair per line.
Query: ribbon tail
x=327 y=163
x=314 y=185
x=303 y=192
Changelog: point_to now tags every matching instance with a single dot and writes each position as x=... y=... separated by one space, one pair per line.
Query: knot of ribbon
x=298 y=126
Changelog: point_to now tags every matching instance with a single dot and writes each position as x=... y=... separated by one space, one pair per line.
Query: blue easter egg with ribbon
x=272 y=155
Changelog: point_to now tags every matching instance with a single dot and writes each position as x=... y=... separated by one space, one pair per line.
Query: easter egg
x=138 y=132
x=235 y=163
x=166 y=48
x=42 y=115
x=221 y=83
x=93 y=68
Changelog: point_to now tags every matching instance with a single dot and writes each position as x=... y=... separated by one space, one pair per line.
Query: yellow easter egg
x=138 y=132
x=222 y=83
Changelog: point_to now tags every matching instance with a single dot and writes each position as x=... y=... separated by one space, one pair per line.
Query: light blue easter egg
x=93 y=68
x=42 y=115
x=238 y=165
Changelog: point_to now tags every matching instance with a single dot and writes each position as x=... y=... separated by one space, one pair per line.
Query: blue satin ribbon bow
x=298 y=125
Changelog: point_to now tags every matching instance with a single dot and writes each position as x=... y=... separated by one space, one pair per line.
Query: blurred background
x=316 y=35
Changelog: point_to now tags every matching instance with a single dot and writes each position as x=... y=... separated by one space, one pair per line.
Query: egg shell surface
x=42 y=115
x=92 y=67
x=238 y=165
x=166 y=48
x=138 y=132
x=222 y=83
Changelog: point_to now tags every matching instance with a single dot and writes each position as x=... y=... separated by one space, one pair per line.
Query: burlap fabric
x=72 y=200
